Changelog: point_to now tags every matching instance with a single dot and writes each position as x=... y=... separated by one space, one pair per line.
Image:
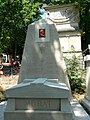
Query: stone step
x=79 y=112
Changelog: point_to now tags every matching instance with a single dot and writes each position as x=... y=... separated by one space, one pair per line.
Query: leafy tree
x=15 y=16
x=10 y=22
x=85 y=25
x=76 y=74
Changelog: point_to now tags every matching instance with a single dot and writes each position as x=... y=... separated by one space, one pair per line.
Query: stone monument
x=43 y=91
x=42 y=56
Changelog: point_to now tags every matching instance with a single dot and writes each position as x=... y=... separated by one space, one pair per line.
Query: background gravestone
x=42 y=56
x=66 y=19
x=86 y=100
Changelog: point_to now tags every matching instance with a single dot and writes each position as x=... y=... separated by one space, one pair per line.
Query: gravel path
x=8 y=81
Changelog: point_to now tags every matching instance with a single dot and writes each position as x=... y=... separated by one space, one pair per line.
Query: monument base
x=38 y=99
x=37 y=115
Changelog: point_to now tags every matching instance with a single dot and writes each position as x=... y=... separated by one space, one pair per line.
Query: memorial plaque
x=41 y=32
x=38 y=104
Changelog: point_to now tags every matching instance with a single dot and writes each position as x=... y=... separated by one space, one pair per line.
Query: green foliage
x=15 y=16
x=30 y=12
x=76 y=74
x=2 y=95
x=10 y=22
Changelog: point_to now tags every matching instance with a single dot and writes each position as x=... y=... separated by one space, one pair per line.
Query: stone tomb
x=38 y=99
x=42 y=91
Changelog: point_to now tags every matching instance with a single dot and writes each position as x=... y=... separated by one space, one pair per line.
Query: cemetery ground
x=5 y=83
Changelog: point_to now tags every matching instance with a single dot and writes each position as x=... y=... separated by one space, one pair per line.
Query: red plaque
x=41 y=33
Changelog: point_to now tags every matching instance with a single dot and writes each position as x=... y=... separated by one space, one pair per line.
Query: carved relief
x=63 y=15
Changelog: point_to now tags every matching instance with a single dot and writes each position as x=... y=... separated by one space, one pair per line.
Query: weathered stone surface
x=79 y=112
x=39 y=88
x=66 y=19
x=65 y=16
x=42 y=58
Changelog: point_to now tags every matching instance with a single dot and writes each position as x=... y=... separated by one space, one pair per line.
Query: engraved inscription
x=38 y=104
x=42 y=32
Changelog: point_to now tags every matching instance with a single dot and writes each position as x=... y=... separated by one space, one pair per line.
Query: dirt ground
x=8 y=81
x=79 y=96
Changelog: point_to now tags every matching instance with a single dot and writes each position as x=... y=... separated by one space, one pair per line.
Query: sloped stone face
x=39 y=88
x=42 y=56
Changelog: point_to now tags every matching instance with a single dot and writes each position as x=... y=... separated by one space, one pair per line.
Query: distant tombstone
x=87 y=60
x=38 y=99
x=66 y=19
x=86 y=100
x=42 y=56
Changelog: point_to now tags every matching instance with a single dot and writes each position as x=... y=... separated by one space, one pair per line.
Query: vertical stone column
x=87 y=59
x=86 y=101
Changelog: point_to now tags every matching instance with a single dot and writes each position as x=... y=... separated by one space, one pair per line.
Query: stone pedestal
x=38 y=99
x=86 y=100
